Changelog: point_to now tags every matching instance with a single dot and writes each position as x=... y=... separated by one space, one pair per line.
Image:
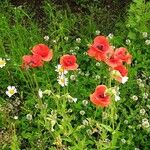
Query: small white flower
x=128 y=42
x=110 y=36
x=2 y=63
x=77 y=48
x=85 y=122
x=134 y=97
x=141 y=85
x=69 y=110
x=97 y=32
x=74 y=100
x=117 y=98
x=71 y=51
x=139 y=81
x=145 y=124
x=54 y=41
x=82 y=112
x=124 y=80
x=40 y=93
x=29 y=117
x=144 y=34
x=145 y=95
x=11 y=90
x=78 y=40
x=84 y=102
x=98 y=64
x=136 y=149
x=46 y=38
x=15 y=117
x=85 y=53
x=72 y=77
x=144 y=120
x=147 y=42
x=123 y=141
x=97 y=77
x=142 y=111
x=126 y=122
x=66 y=38
x=60 y=69
x=62 y=80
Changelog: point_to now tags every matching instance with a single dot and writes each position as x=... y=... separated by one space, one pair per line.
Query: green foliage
x=55 y=122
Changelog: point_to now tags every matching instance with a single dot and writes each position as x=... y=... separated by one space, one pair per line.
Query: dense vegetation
x=42 y=114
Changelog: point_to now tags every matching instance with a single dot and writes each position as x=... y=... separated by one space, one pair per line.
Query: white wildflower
x=2 y=63
x=124 y=79
x=72 y=77
x=62 y=80
x=128 y=42
x=144 y=34
x=134 y=97
x=85 y=122
x=78 y=40
x=145 y=95
x=46 y=38
x=29 y=117
x=11 y=90
x=147 y=42
x=60 y=69
x=110 y=36
x=40 y=93
x=97 y=32
x=142 y=111
x=82 y=112
x=98 y=64
x=15 y=117
x=145 y=124
x=123 y=141
x=66 y=38
x=85 y=102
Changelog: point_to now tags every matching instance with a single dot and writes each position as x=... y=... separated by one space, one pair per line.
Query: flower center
x=2 y=62
x=101 y=95
x=62 y=81
x=11 y=92
x=100 y=47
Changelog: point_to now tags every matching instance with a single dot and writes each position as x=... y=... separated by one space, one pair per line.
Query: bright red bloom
x=113 y=61
x=99 y=97
x=100 y=49
x=120 y=73
x=120 y=55
x=122 y=69
x=68 y=62
x=43 y=51
x=31 y=61
x=123 y=54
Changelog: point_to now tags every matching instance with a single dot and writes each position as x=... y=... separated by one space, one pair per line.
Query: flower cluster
x=67 y=62
x=101 y=50
x=40 y=53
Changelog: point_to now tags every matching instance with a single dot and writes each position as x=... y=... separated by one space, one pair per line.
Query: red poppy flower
x=31 y=61
x=113 y=61
x=122 y=69
x=100 y=49
x=99 y=97
x=120 y=55
x=120 y=74
x=68 y=62
x=43 y=51
x=123 y=54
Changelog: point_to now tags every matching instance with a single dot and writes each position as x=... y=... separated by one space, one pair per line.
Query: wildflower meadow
x=74 y=75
